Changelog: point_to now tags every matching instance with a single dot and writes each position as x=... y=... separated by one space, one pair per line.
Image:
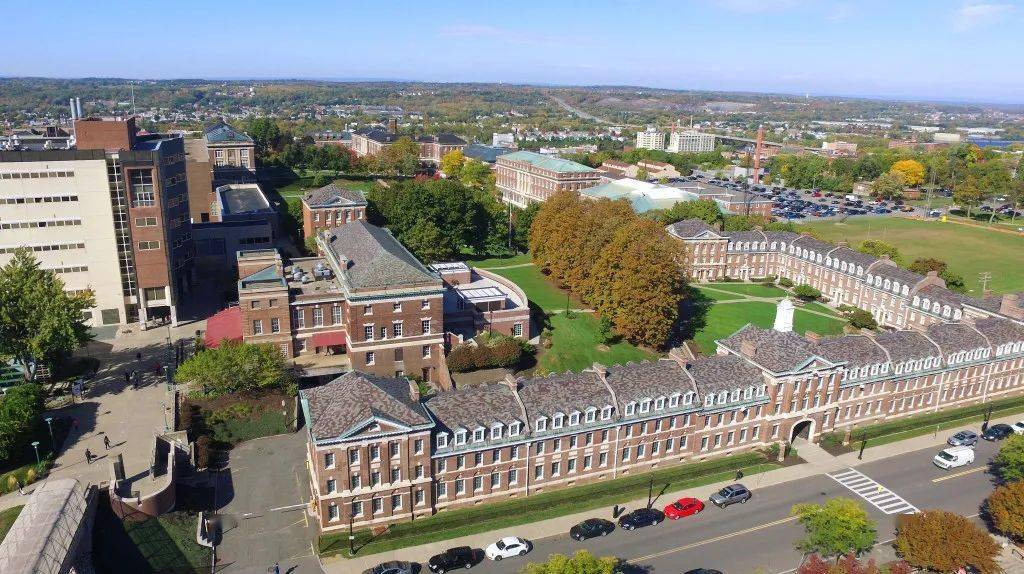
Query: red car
x=683 y=507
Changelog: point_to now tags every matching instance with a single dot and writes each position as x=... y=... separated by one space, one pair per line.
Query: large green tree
x=838 y=527
x=880 y=248
x=1008 y=463
x=924 y=265
x=235 y=367
x=889 y=185
x=582 y=562
x=704 y=209
x=40 y=323
x=942 y=541
x=20 y=407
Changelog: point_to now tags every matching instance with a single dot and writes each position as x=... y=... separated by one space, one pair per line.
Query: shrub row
x=505 y=352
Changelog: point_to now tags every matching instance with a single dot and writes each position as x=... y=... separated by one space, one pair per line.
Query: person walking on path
x=21 y=488
x=106 y=442
x=276 y=569
x=88 y=456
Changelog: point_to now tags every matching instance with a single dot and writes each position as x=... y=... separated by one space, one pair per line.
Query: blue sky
x=932 y=49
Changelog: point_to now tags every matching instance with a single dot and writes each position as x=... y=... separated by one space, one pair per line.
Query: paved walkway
x=746 y=298
x=821 y=463
x=111 y=408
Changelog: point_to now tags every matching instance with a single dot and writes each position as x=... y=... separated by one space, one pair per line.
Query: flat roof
x=449 y=267
x=242 y=198
x=555 y=164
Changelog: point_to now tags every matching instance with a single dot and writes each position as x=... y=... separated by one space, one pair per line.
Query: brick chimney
x=414 y=391
x=748 y=348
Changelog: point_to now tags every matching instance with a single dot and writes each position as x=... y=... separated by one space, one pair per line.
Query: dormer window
x=574 y=418
x=673 y=401
x=460 y=437
x=606 y=413
x=723 y=396
x=591 y=415
x=514 y=428
x=496 y=432
x=630 y=409
x=762 y=391
x=442 y=440
x=736 y=395
x=749 y=393
x=688 y=398
x=645 y=405
x=659 y=403
x=557 y=420
x=478 y=435
x=542 y=424
x=709 y=400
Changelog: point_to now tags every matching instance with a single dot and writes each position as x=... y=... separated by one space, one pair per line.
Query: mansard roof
x=343 y=406
x=648 y=379
x=999 y=330
x=724 y=373
x=906 y=345
x=475 y=406
x=955 y=337
x=563 y=393
x=854 y=350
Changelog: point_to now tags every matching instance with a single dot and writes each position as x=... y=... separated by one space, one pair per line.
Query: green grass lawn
x=574 y=346
x=7 y=518
x=297 y=187
x=545 y=505
x=968 y=250
x=715 y=295
x=724 y=320
x=538 y=289
x=751 y=289
x=821 y=307
x=499 y=261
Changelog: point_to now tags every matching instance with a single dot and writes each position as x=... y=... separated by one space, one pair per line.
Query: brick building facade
x=895 y=296
x=380 y=454
x=525 y=177
x=329 y=206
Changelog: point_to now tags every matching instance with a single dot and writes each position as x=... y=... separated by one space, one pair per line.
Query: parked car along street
x=731 y=495
x=639 y=518
x=507 y=547
x=963 y=438
x=997 y=432
x=683 y=507
x=451 y=559
x=590 y=528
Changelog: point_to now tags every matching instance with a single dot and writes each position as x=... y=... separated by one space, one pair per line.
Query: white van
x=851 y=197
x=954 y=456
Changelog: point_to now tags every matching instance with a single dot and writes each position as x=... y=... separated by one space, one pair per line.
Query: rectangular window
x=517 y=330
x=329 y=459
x=370 y=357
x=495 y=480
x=425 y=324
x=419 y=497
x=275 y=325
x=478 y=483
x=425 y=351
x=318 y=317
x=418 y=446
x=257 y=327
x=377 y=505
x=353 y=457
x=396 y=329
x=145 y=221
x=571 y=466
x=513 y=476
x=142 y=188
x=460 y=486
x=396 y=475
x=299 y=316
x=442 y=490
x=396 y=502
x=332 y=512
x=625 y=453
x=602 y=459
x=704 y=443
x=354 y=481
x=538 y=472
x=374 y=453
x=357 y=508
x=367 y=309
x=336 y=315
x=556 y=468
x=149 y=245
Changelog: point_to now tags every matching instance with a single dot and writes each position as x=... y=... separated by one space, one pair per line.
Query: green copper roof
x=546 y=162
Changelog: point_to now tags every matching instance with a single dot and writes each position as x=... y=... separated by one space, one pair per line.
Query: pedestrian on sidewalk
x=88 y=456
x=739 y=474
x=106 y=442
x=276 y=569
x=21 y=488
x=127 y=377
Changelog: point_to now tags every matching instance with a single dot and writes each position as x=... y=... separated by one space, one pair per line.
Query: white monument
x=784 y=316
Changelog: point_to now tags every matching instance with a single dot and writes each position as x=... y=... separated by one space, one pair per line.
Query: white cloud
x=974 y=15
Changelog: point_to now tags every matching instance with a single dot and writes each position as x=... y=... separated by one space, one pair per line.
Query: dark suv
x=731 y=495
x=590 y=528
x=639 y=518
x=459 y=557
x=997 y=432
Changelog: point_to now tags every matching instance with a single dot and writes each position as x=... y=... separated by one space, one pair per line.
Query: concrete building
x=839 y=148
x=330 y=206
x=525 y=177
x=646 y=196
x=690 y=141
x=379 y=453
x=111 y=216
x=650 y=138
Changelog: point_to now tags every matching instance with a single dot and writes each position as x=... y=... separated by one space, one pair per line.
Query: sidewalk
x=820 y=463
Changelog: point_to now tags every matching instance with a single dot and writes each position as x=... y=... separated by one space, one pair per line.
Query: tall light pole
x=35 y=445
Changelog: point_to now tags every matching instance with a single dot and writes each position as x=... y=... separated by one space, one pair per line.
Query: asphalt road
x=759 y=535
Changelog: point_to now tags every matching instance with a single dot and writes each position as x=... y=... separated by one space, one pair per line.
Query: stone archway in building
x=803 y=431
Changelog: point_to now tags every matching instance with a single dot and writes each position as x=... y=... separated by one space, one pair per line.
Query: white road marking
x=879 y=496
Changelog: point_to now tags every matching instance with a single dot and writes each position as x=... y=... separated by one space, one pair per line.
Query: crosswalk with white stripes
x=879 y=496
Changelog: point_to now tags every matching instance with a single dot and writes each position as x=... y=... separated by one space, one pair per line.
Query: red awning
x=329 y=338
x=226 y=325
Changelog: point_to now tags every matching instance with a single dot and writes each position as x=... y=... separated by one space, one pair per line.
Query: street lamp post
x=35 y=445
x=53 y=442
x=164 y=405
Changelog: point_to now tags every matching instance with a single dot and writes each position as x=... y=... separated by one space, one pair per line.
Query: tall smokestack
x=74 y=112
x=78 y=107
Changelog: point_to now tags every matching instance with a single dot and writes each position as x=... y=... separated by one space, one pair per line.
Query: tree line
x=625 y=266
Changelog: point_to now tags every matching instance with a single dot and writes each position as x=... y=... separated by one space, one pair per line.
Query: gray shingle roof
x=563 y=393
x=724 y=373
x=999 y=330
x=854 y=350
x=940 y=294
x=741 y=236
x=786 y=236
x=337 y=407
x=955 y=337
x=889 y=270
x=855 y=257
x=475 y=405
x=375 y=258
x=689 y=228
x=221 y=132
x=776 y=351
x=332 y=195
x=906 y=345
x=648 y=379
x=811 y=244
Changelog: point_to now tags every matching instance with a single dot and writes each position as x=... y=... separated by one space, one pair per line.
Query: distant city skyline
x=942 y=50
